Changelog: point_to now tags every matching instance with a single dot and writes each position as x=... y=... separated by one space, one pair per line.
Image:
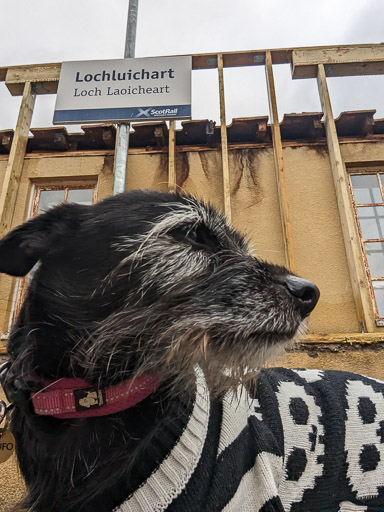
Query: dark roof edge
x=307 y=126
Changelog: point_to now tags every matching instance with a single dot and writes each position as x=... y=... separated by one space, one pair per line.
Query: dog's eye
x=200 y=237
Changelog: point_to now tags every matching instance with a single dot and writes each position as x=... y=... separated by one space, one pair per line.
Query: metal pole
x=130 y=38
x=122 y=137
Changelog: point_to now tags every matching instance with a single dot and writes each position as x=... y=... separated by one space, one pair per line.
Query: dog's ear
x=25 y=245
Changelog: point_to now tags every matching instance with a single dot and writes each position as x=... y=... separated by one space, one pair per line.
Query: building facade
x=308 y=193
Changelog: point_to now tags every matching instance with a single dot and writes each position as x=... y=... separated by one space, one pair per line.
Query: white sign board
x=124 y=90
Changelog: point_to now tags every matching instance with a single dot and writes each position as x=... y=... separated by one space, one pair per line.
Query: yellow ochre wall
x=317 y=232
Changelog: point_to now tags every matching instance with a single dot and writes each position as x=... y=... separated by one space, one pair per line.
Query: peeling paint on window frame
x=364 y=172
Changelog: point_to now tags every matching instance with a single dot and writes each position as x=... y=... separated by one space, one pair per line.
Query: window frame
x=365 y=172
x=66 y=187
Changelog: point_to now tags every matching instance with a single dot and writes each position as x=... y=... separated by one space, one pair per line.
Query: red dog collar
x=74 y=398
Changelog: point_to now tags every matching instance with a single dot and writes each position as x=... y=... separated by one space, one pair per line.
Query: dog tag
x=7 y=445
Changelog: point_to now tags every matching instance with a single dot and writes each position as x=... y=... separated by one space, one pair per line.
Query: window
x=49 y=196
x=46 y=197
x=368 y=194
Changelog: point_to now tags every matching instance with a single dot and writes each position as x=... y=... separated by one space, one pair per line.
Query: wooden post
x=172 y=183
x=16 y=160
x=357 y=273
x=290 y=254
x=224 y=142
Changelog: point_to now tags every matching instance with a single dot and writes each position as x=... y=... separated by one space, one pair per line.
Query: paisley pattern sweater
x=307 y=441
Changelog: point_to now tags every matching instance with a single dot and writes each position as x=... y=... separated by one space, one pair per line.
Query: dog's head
x=147 y=282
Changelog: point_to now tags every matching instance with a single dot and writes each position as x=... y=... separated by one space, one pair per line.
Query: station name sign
x=124 y=90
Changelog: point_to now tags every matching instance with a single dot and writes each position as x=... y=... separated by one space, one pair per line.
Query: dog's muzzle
x=305 y=293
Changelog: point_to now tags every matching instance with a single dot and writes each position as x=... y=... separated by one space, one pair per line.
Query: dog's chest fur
x=307 y=441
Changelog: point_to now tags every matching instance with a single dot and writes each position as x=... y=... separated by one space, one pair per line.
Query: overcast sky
x=37 y=31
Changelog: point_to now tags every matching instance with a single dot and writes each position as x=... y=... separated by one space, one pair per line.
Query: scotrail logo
x=156 y=112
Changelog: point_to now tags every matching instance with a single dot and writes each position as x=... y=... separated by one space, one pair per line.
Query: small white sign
x=124 y=90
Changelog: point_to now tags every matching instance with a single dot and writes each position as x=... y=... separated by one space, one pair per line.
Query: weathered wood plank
x=302 y=126
x=290 y=254
x=339 y=61
x=348 y=60
x=224 y=141
x=48 y=140
x=346 y=338
x=358 y=123
x=198 y=132
x=172 y=183
x=359 y=280
x=14 y=168
x=248 y=129
x=44 y=77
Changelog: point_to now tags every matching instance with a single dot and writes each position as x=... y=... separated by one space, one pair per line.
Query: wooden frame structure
x=360 y=285
x=224 y=140
x=16 y=159
x=286 y=224
x=172 y=180
x=309 y=62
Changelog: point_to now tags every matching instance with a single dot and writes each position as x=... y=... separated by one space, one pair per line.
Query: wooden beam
x=279 y=55
x=347 y=60
x=44 y=77
x=172 y=183
x=339 y=61
x=290 y=254
x=14 y=168
x=359 y=280
x=347 y=338
x=224 y=142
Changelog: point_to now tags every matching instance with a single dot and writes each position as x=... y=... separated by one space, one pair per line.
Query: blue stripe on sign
x=121 y=114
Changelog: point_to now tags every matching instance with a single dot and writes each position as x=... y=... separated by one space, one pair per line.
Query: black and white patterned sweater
x=309 y=441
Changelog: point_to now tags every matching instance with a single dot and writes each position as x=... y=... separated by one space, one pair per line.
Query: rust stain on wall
x=182 y=168
x=204 y=159
x=162 y=168
x=244 y=166
x=320 y=149
x=107 y=167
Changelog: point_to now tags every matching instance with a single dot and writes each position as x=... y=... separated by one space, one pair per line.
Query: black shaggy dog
x=153 y=296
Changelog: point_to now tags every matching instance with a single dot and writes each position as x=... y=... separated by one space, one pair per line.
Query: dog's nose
x=306 y=293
